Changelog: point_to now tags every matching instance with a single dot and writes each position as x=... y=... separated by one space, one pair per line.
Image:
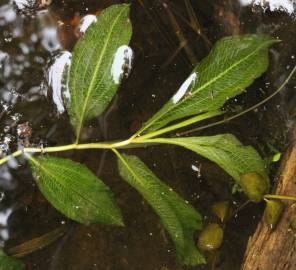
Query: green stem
x=184 y=123
x=280 y=197
x=15 y=154
x=63 y=148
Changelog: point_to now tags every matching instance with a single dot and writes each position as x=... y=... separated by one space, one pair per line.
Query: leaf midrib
x=206 y=84
x=74 y=191
x=92 y=83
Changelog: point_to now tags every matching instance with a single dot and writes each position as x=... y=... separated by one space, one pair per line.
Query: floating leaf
x=232 y=65
x=37 y=243
x=273 y=211
x=211 y=237
x=75 y=191
x=98 y=63
x=8 y=263
x=179 y=218
x=225 y=150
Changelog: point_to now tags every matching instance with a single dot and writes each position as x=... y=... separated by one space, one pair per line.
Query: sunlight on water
x=274 y=5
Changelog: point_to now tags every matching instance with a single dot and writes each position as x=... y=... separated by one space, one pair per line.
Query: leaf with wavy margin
x=179 y=218
x=92 y=84
x=232 y=65
x=75 y=191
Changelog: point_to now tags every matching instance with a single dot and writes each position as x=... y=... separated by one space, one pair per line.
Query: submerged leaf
x=254 y=186
x=211 y=237
x=75 y=191
x=179 y=218
x=98 y=64
x=232 y=65
x=273 y=211
x=221 y=209
x=225 y=150
x=8 y=263
x=37 y=243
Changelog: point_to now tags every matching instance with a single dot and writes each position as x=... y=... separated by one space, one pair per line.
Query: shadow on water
x=169 y=38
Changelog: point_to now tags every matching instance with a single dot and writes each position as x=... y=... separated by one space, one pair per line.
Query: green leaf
x=92 y=84
x=75 y=191
x=179 y=218
x=225 y=150
x=8 y=263
x=232 y=65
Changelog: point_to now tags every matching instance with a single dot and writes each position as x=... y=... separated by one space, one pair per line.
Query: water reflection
x=25 y=47
x=273 y=5
x=31 y=4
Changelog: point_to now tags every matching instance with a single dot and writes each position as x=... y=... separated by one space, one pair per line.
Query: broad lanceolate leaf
x=225 y=150
x=8 y=263
x=231 y=66
x=75 y=191
x=179 y=218
x=98 y=63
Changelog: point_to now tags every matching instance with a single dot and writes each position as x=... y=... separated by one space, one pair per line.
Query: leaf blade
x=226 y=151
x=180 y=219
x=91 y=84
x=218 y=78
x=9 y=263
x=75 y=191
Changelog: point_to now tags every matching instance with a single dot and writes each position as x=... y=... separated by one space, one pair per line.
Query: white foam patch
x=122 y=62
x=86 y=22
x=184 y=88
x=7 y=14
x=56 y=79
x=273 y=5
x=3 y=57
x=22 y=4
x=4 y=216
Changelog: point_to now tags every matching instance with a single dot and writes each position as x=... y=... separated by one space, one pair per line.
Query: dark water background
x=30 y=39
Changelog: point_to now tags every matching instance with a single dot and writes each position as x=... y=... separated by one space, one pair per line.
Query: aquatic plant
x=100 y=60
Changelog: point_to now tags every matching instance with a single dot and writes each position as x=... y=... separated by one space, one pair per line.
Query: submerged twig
x=179 y=33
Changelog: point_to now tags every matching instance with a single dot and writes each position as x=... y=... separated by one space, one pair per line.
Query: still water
x=36 y=39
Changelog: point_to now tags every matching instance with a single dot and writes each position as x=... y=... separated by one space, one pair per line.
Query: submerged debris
x=211 y=237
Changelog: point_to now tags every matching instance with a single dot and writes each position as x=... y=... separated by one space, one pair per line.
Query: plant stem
x=63 y=148
x=184 y=123
x=280 y=197
x=15 y=154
